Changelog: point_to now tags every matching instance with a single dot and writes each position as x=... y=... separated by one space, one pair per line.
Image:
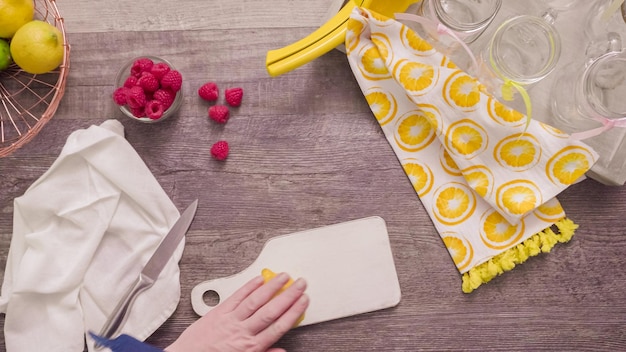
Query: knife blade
x=150 y=272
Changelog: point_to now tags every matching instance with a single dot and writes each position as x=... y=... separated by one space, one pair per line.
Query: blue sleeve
x=124 y=343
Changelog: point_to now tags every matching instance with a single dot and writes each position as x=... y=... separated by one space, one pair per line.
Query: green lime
x=5 y=55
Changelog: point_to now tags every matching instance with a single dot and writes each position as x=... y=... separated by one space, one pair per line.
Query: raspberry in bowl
x=148 y=89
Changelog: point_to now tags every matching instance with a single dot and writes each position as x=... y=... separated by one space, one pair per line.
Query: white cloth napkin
x=81 y=235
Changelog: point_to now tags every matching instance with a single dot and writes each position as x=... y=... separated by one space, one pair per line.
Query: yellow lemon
x=37 y=47
x=14 y=14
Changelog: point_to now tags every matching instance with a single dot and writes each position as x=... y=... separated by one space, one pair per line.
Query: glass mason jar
x=467 y=18
x=562 y=5
x=588 y=96
x=522 y=51
x=603 y=19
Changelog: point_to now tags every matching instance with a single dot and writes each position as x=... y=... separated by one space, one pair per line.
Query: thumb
x=276 y=350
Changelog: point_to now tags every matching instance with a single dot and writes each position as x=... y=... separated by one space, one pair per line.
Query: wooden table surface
x=307 y=152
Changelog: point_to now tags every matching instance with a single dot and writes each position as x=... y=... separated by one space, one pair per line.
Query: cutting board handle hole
x=211 y=298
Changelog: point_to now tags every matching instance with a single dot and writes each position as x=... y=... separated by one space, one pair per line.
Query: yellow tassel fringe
x=541 y=242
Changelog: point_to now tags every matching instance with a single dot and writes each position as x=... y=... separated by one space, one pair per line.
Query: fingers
x=277 y=308
x=240 y=295
x=284 y=323
x=261 y=295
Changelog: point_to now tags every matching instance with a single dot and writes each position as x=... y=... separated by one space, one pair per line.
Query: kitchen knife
x=150 y=272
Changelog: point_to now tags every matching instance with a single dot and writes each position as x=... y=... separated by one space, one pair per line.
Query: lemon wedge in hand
x=267 y=275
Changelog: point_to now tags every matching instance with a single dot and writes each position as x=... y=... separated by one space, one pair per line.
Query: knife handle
x=120 y=313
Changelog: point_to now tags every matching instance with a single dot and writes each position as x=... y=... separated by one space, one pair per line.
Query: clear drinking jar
x=467 y=18
x=522 y=51
x=588 y=97
x=562 y=5
x=603 y=19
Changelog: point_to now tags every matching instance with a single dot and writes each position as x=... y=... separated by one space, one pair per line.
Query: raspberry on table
x=136 y=97
x=233 y=96
x=219 y=150
x=141 y=65
x=209 y=91
x=159 y=70
x=173 y=80
x=148 y=82
x=154 y=109
x=120 y=95
x=219 y=113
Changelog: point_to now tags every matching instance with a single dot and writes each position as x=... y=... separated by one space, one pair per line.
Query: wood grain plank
x=84 y=16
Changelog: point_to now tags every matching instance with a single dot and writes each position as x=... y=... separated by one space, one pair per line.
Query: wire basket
x=27 y=101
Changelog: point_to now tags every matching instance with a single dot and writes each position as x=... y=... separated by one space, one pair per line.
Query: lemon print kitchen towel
x=487 y=177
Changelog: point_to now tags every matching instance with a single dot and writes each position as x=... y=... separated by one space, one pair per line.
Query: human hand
x=251 y=320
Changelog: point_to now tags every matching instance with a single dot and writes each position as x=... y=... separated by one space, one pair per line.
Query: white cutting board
x=348 y=267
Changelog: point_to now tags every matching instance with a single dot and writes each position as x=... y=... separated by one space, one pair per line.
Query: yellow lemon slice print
x=415 y=77
x=550 y=211
x=480 y=179
x=518 y=152
x=504 y=115
x=384 y=47
x=466 y=138
x=459 y=248
x=420 y=175
x=382 y=104
x=497 y=233
x=454 y=203
x=372 y=65
x=569 y=165
x=553 y=130
x=462 y=91
x=415 y=44
x=447 y=63
x=448 y=164
x=417 y=129
x=380 y=20
x=354 y=29
x=518 y=197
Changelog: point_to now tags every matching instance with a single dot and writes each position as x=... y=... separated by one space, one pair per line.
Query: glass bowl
x=125 y=72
